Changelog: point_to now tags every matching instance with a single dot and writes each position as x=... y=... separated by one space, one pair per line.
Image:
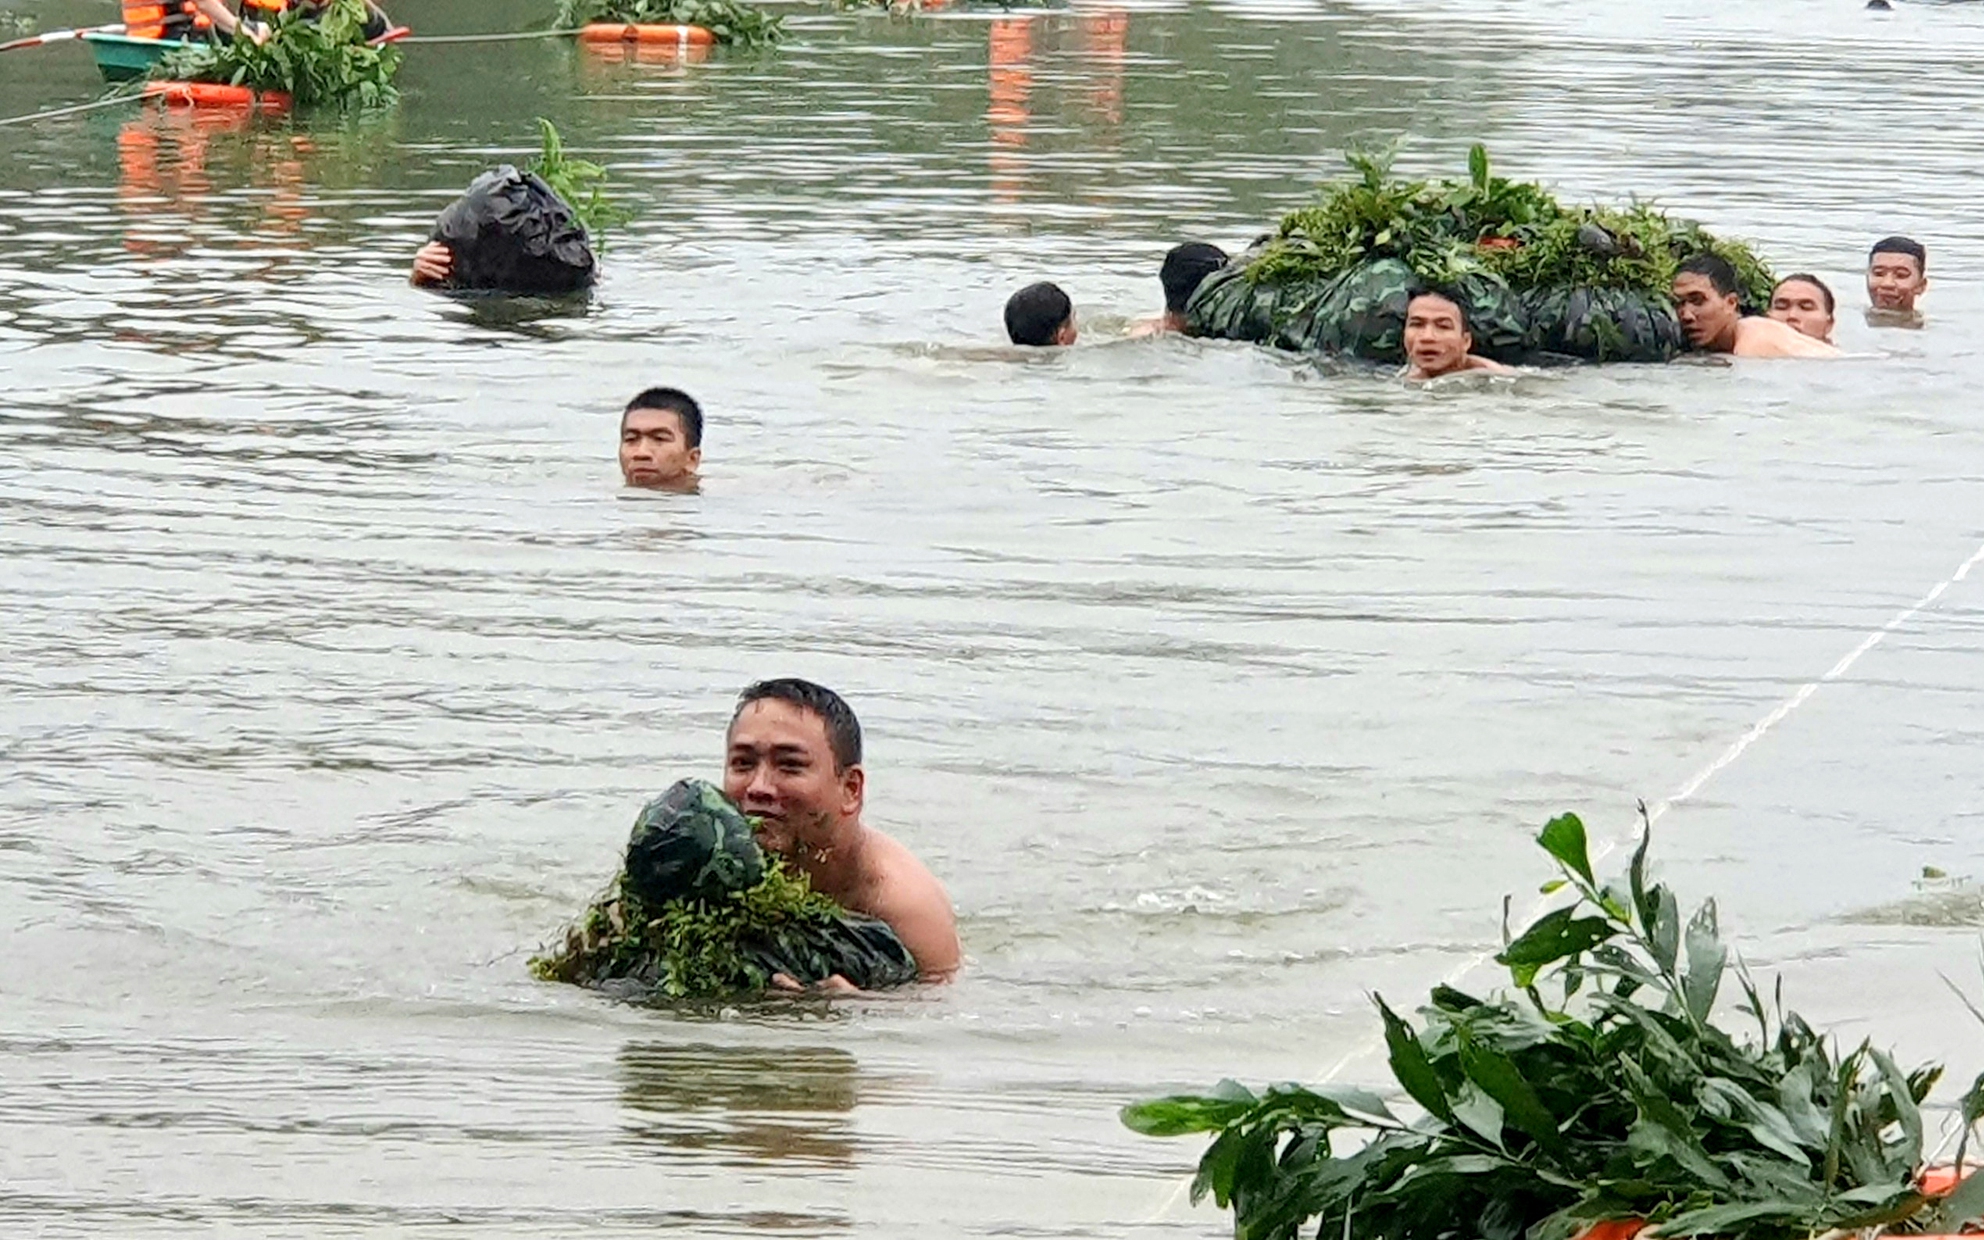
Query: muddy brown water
x=1220 y=691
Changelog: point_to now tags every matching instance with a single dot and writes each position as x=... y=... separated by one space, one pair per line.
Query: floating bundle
x=686 y=22
x=1534 y=277
x=700 y=911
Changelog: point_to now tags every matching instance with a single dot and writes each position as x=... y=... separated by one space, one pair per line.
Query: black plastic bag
x=1604 y=324
x=509 y=232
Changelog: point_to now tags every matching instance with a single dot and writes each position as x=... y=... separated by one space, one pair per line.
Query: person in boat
x=258 y=17
x=1707 y=303
x=1040 y=315
x=1897 y=274
x=1185 y=268
x=1437 y=339
x=1804 y=301
x=661 y=440
x=178 y=19
x=792 y=760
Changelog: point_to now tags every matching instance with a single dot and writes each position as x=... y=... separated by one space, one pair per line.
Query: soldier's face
x=779 y=767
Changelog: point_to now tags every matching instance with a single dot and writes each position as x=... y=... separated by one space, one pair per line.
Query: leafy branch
x=580 y=182
x=730 y=21
x=1601 y=1088
x=322 y=60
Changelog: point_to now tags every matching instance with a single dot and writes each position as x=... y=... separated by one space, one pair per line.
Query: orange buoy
x=1941 y=1181
x=1614 y=1229
x=214 y=95
x=615 y=32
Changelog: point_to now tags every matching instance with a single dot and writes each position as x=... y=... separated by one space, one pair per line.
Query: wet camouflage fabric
x=692 y=850
x=1361 y=313
x=1604 y=325
x=691 y=843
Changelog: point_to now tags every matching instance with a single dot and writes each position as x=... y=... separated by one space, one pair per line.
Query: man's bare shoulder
x=1757 y=336
x=902 y=891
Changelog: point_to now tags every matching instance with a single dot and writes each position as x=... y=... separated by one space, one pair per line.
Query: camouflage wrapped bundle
x=1533 y=276
x=1605 y=324
x=699 y=910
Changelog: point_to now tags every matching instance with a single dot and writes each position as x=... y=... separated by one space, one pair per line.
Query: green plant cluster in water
x=321 y=61
x=1601 y=1088
x=686 y=949
x=1446 y=230
x=728 y=20
x=580 y=182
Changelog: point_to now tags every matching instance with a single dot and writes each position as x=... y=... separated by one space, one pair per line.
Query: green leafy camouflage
x=700 y=911
x=1335 y=276
x=1602 y=1088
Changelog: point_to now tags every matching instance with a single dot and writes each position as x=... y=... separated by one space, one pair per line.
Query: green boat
x=121 y=58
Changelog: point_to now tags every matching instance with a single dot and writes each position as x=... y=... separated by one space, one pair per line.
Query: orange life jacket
x=162 y=19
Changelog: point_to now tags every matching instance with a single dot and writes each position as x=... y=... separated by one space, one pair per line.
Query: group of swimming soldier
x=1707 y=301
x=208 y=19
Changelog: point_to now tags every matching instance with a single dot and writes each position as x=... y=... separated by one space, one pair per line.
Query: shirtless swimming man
x=1705 y=301
x=793 y=760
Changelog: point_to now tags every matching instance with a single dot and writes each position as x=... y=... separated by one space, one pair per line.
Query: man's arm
x=219 y=14
x=908 y=896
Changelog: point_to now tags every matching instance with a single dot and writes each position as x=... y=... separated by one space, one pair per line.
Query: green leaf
x=1563 y=836
x=1722 y=1219
x=1183 y=1113
x=1477 y=165
x=1664 y=931
x=1706 y=958
x=1555 y=936
x=1500 y=1079
x=1411 y=1066
x=1476 y=1110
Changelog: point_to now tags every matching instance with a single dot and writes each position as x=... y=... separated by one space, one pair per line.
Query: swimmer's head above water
x=661 y=440
x=1804 y=301
x=1706 y=301
x=1185 y=268
x=1040 y=315
x=1897 y=274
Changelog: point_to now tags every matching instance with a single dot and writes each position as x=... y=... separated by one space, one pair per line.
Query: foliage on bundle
x=728 y=20
x=580 y=182
x=1637 y=248
x=321 y=61
x=1600 y=1090
x=1447 y=230
x=684 y=948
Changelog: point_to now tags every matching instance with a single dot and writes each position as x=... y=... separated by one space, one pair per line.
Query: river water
x=1220 y=691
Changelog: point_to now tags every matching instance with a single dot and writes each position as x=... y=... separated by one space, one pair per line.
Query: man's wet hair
x=1185 y=268
x=1806 y=277
x=1445 y=294
x=1715 y=269
x=843 y=729
x=1902 y=245
x=675 y=401
x=1034 y=315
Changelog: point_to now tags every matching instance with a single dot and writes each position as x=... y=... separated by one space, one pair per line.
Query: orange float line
x=215 y=95
x=615 y=32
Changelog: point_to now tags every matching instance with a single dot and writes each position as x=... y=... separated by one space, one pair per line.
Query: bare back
x=1757 y=336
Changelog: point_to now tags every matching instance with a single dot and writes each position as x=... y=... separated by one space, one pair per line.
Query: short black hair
x=843 y=729
x=1902 y=245
x=1445 y=294
x=1806 y=277
x=1185 y=268
x=675 y=401
x=1715 y=268
x=1036 y=313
